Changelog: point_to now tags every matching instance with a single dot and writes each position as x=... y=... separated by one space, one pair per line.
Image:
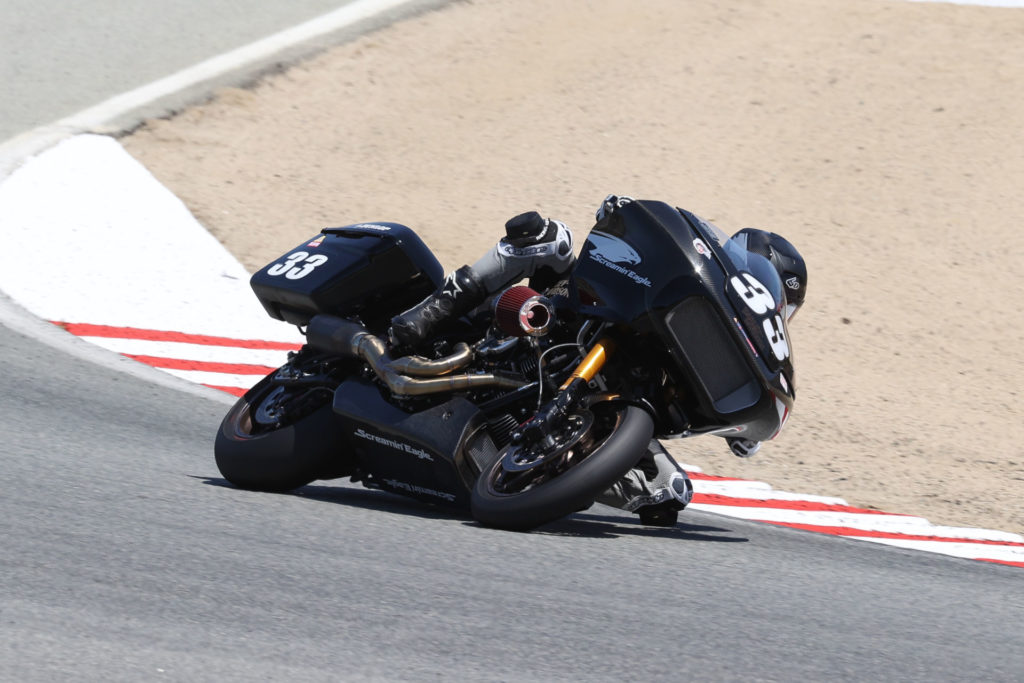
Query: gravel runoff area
x=882 y=138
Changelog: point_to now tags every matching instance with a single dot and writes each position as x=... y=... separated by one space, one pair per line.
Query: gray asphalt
x=124 y=556
x=60 y=57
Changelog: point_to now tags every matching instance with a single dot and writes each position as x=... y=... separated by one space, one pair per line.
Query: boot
x=460 y=293
x=656 y=489
x=743 y=448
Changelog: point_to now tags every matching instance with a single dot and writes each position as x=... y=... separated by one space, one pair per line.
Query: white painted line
x=247 y=58
x=99 y=115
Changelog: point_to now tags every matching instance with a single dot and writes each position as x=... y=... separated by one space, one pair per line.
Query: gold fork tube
x=592 y=364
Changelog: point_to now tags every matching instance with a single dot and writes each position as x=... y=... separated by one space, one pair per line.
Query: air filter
x=520 y=311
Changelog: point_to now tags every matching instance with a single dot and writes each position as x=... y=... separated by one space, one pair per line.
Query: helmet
x=787 y=261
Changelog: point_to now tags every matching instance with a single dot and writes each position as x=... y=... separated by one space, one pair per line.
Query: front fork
x=569 y=395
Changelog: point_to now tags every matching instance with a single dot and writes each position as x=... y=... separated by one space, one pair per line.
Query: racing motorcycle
x=529 y=407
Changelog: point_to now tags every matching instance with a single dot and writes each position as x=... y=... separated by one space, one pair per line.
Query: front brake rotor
x=270 y=410
x=575 y=429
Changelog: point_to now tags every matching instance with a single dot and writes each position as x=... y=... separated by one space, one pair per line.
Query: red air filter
x=519 y=311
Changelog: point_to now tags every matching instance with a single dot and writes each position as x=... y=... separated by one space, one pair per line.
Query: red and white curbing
x=231 y=365
x=120 y=262
x=757 y=501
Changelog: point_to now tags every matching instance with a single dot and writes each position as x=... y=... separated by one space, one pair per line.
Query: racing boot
x=656 y=489
x=460 y=293
x=742 y=448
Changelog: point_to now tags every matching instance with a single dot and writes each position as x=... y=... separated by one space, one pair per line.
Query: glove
x=526 y=228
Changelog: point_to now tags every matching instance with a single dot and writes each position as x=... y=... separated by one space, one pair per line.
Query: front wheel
x=528 y=487
x=278 y=438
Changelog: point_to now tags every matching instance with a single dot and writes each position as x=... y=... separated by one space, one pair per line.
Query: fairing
x=716 y=307
x=434 y=454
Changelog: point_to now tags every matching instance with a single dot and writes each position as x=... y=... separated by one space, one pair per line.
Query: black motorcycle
x=528 y=408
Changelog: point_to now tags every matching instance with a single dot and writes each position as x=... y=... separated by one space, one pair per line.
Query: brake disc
x=573 y=431
x=270 y=410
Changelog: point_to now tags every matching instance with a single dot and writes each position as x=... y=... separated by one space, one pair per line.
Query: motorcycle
x=529 y=407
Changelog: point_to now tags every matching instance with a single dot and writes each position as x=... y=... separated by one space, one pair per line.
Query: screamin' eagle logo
x=612 y=249
x=611 y=252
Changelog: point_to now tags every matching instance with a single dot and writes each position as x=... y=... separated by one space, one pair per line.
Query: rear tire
x=576 y=488
x=283 y=457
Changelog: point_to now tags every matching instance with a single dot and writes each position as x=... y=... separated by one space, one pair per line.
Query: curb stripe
x=161 y=349
x=717 y=499
x=760 y=491
x=769 y=513
x=220 y=379
x=89 y=330
x=711 y=477
x=973 y=552
x=867 y=534
x=234 y=391
x=202 y=365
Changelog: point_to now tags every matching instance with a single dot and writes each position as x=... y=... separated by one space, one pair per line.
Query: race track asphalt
x=126 y=557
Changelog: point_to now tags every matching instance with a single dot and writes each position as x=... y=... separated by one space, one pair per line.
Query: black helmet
x=786 y=259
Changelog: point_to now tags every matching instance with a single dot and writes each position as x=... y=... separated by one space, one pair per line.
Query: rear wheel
x=279 y=437
x=530 y=486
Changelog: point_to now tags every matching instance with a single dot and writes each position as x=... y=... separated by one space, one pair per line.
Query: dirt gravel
x=883 y=138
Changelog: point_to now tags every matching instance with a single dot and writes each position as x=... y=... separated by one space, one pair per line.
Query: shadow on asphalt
x=586 y=524
x=591 y=525
x=359 y=497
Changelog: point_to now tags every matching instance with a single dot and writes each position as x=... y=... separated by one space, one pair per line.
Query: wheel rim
x=520 y=469
x=270 y=410
x=576 y=429
x=275 y=407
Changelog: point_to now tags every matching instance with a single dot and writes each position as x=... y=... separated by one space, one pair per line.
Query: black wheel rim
x=520 y=470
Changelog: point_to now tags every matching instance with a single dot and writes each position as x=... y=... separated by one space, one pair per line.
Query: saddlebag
x=369 y=270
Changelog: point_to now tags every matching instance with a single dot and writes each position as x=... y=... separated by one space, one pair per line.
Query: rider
x=541 y=249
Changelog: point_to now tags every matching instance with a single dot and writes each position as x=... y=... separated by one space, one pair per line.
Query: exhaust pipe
x=352 y=340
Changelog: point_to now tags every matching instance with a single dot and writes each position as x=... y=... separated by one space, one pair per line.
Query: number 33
x=291 y=268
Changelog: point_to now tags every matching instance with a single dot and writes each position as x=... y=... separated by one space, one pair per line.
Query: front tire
x=252 y=452
x=618 y=446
